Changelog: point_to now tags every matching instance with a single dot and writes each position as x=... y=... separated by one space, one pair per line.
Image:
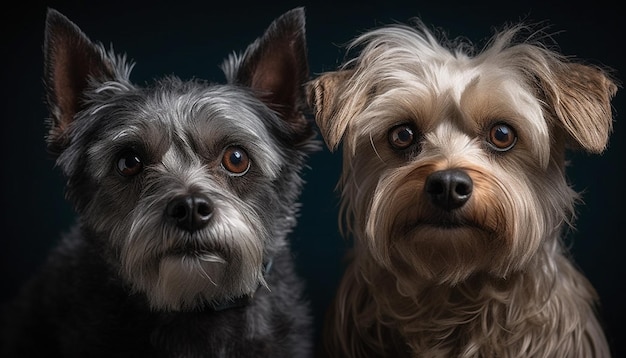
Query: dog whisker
x=211 y=258
x=374 y=148
x=205 y=274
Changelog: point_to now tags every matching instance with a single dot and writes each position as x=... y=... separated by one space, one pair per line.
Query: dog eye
x=401 y=137
x=129 y=164
x=502 y=137
x=236 y=161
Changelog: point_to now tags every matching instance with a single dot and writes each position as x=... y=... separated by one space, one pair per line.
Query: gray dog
x=186 y=192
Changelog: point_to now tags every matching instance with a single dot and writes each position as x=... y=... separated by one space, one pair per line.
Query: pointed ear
x=70 y=60
x=276 y=65
x=324 y=96
x=581 y=98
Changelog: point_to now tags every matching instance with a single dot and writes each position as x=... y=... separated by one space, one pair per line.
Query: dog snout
x=449 y=189
x=190 y=212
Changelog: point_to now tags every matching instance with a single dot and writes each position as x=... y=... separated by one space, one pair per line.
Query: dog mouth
x=445 y=224
x=448 y=222
x=442 y=230
x=200 y=254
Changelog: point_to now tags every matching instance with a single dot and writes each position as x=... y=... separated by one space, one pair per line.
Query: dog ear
x=276 y=66
x=580 y=96
x=324 y=97
x=70 y=61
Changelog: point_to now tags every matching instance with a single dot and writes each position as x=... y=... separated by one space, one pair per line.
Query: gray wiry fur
x=135 y=279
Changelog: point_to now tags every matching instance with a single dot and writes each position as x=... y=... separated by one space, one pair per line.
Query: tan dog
x=454 y=189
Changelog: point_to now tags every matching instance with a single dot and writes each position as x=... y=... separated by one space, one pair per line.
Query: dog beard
x=179 y=270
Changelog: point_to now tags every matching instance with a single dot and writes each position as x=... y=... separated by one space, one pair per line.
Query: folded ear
x=70 y=61
x=324 y=95
x=276 y=66
x=581 y=98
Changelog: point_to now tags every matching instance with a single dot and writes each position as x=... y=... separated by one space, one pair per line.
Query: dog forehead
x=189 y=112
x=419 y=69
x=221 y=116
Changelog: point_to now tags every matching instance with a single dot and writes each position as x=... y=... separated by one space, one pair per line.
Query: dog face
x=190 y=186
x=453 y=162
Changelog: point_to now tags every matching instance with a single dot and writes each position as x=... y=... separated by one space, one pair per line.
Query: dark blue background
x=190 y=39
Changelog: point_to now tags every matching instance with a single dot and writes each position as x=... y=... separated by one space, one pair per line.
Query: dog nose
x=449 y=189
x=190 y=212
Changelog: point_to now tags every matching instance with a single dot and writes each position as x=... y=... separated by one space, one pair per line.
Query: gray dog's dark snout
x=449 y=189
x=190 y=212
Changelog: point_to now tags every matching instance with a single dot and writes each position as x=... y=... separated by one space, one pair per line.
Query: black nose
x=190 y=212
x=449 y=189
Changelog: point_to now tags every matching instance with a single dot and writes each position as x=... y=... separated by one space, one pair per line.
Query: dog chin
x=443 y=254
x=188 y=281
